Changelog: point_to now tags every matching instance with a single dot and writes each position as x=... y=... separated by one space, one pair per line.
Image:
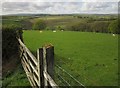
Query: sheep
x=40 y=31
x=113 y=34
x=54 y=31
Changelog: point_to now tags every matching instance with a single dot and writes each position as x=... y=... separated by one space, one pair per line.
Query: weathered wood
x=50 y=80
x=50 y=60
x=20 y=47
x=31 y=75
x=36 y=80
x=33 y=68
x=40 y=71
x=30 y=81
x=28 y=51
x=29 y=78
x=27 y=65
x=40 y=55
x=22 y=51
x=32 y=57
x=21 y=43
x=45 y=66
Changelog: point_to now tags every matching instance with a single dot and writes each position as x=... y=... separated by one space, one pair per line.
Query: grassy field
x=17 y=78
x=92 y=58
x=13 y=75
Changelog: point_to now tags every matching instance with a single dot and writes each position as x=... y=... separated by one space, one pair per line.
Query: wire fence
x=65 y=78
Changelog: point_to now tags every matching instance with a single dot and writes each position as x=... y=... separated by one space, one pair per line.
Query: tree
x=100 y=26
x=39 y=25
x=26 y=24
x=113 y=27
x=80 y=26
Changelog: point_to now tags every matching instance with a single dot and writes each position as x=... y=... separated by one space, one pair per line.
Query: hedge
x=10 y=45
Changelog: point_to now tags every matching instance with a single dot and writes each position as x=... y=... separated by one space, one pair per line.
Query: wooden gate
x=40 y=70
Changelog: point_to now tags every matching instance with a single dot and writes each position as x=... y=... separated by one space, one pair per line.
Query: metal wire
x=70 y=75
x=63 y=79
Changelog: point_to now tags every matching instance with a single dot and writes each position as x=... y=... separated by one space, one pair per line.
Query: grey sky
x=60 y=7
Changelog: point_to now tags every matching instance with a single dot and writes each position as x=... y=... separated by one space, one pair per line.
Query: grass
x=13 y=74
x=15 y=79
x=92 y=58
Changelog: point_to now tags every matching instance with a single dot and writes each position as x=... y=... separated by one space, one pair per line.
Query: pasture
x=92 y=58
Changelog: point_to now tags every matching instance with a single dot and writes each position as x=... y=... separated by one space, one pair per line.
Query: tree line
x=95 y=26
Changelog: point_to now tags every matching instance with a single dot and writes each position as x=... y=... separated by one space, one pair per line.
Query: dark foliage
x=10 y=45
x=39 y=25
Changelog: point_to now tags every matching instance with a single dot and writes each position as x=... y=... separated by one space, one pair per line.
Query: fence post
x=50 y=60
x=41 y=66
x=45 y=67
x=46 y=63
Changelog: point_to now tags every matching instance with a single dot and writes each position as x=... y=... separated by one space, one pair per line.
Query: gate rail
x=40 y=70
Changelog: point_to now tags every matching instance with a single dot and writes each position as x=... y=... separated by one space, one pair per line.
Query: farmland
x=84 y=46
x=89 y=57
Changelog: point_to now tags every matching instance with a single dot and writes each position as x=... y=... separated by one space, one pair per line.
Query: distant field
x=92 y=58
x=59 y=20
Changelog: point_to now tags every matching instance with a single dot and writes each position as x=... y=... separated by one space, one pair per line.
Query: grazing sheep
x=113 y=34
x=61 y=30
x=41 y=31
x=54 y=31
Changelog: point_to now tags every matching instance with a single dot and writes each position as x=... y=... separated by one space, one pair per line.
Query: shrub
x=50 y=28
x=59 y=28
x=81 y=26
x=114 y=27
x=39 y=25
x=100 y=26
x=26 y=24
x=10 y=44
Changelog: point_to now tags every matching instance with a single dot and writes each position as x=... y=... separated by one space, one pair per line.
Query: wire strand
x=63 y=79
x=70 y=75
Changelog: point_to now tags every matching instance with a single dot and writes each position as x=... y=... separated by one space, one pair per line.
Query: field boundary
x=40 y=70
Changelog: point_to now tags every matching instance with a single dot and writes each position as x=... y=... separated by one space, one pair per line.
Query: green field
x=92 y=58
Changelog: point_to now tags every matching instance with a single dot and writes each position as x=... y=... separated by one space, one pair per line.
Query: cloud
x=59 y=7
x=100 y=7
x=60 y=1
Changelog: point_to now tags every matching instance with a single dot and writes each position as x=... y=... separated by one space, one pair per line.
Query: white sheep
x=54 y=31
x=113 y=34
x=40 y=31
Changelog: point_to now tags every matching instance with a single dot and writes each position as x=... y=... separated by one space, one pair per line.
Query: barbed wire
x=69 y=75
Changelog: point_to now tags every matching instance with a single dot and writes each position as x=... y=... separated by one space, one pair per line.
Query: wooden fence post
x=41 y=66
x=50 y=60
x=45 y=67
x=46 y=63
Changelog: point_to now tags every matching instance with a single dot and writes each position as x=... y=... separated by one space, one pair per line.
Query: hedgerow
x=10 y=45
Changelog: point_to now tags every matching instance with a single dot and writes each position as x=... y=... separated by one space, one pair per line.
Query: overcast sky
x=60 y=7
